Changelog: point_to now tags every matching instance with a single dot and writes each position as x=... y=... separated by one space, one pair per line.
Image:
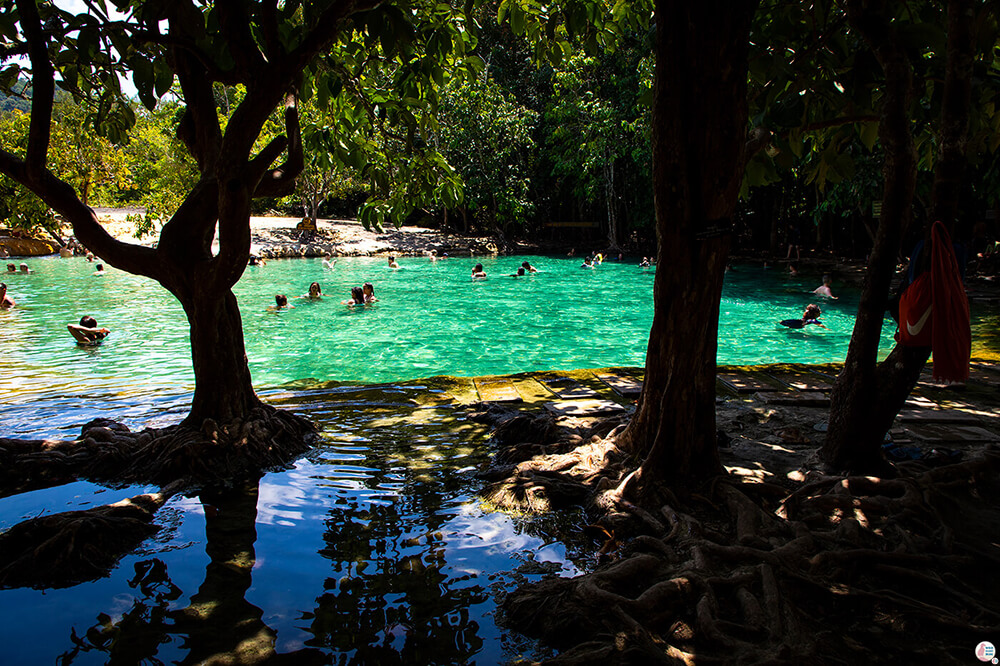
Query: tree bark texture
x=223 y=390
x=868 y=395
x=699 y=133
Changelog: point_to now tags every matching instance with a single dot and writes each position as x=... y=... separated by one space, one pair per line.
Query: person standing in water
x=824 y=289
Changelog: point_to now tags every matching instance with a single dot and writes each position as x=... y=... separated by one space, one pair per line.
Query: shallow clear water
x=431 y=319
x=373 y=547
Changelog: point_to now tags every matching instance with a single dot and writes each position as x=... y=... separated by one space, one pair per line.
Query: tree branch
x=43 y=90
x=325 y=29
x=199 y=128
x=235 y=25
x=268 y=23
x=63 y=199
x=186 y=238
x=281 y=181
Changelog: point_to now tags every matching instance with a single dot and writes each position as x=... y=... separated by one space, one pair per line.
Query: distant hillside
x=17 y=101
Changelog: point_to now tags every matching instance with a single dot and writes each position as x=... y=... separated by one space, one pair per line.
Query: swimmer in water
x=315 y=292
x=392 y=262
x=357 y=297
x=280 y=303
x=6 y=302
x=810 y=316
x=368 y=290
x=86 y=332
x=824 y=289
x=587 y=263
x=528 y=267
x=478 y=273
x=100 y=270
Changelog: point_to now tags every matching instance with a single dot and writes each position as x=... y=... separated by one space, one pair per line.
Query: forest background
x=546 y=139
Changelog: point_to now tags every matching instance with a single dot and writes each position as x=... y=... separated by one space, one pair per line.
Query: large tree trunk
x=223 y=389
x=866 y=397
x=699 y=133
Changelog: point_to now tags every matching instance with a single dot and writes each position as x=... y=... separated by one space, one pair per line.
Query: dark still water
x=373 y=549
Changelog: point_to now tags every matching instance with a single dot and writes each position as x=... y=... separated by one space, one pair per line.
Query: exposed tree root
x=71 y=547
x=843 y=569
x=108 y=451
x=64 y=549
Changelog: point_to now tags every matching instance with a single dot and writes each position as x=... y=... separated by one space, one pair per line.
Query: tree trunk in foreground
x=867 y=396
x=699 y=134
x=223 y=388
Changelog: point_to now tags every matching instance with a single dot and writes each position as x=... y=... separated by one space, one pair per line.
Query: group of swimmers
x=479 y=273
x=362 y=295
x=6 y=302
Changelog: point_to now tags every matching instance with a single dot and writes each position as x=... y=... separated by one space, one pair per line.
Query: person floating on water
x=280 y=303
x=368 y=290
x=392 y=262
x=25 y=269
x=587 y=263
x=520 y=272
x=644 y=263
x=528 y=267
x=11 y=268
x=824 y=289
x=315 y=292
x=478 y=273
x=100 y=270
x=810 y=316
x=86 y=332
x=6 y=302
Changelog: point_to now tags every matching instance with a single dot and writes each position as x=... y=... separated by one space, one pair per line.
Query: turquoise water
x=431 y=319
x=373 y=547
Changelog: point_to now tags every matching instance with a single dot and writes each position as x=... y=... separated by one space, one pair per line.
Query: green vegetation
x=540 y=119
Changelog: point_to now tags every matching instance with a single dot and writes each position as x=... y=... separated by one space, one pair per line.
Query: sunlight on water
x=372 y=548
x=432 y=319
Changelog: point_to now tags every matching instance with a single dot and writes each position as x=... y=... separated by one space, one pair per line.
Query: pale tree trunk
x=699 y=134
x=609 y=193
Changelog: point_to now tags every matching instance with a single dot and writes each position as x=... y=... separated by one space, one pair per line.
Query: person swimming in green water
x=810 y=316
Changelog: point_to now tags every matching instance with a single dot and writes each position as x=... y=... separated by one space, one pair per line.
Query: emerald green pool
x=431 y=319
x=373 y=548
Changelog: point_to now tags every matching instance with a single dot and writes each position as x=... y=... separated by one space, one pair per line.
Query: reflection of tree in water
x=390 y=600
x=219 y=625
x=390 y=596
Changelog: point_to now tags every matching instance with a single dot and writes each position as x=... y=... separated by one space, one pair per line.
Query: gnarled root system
x=844 y=569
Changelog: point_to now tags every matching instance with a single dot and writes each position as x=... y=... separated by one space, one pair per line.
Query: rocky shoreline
x=280 y=237
x=275 y=238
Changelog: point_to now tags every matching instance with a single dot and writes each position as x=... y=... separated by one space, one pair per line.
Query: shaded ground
x=778 y=562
